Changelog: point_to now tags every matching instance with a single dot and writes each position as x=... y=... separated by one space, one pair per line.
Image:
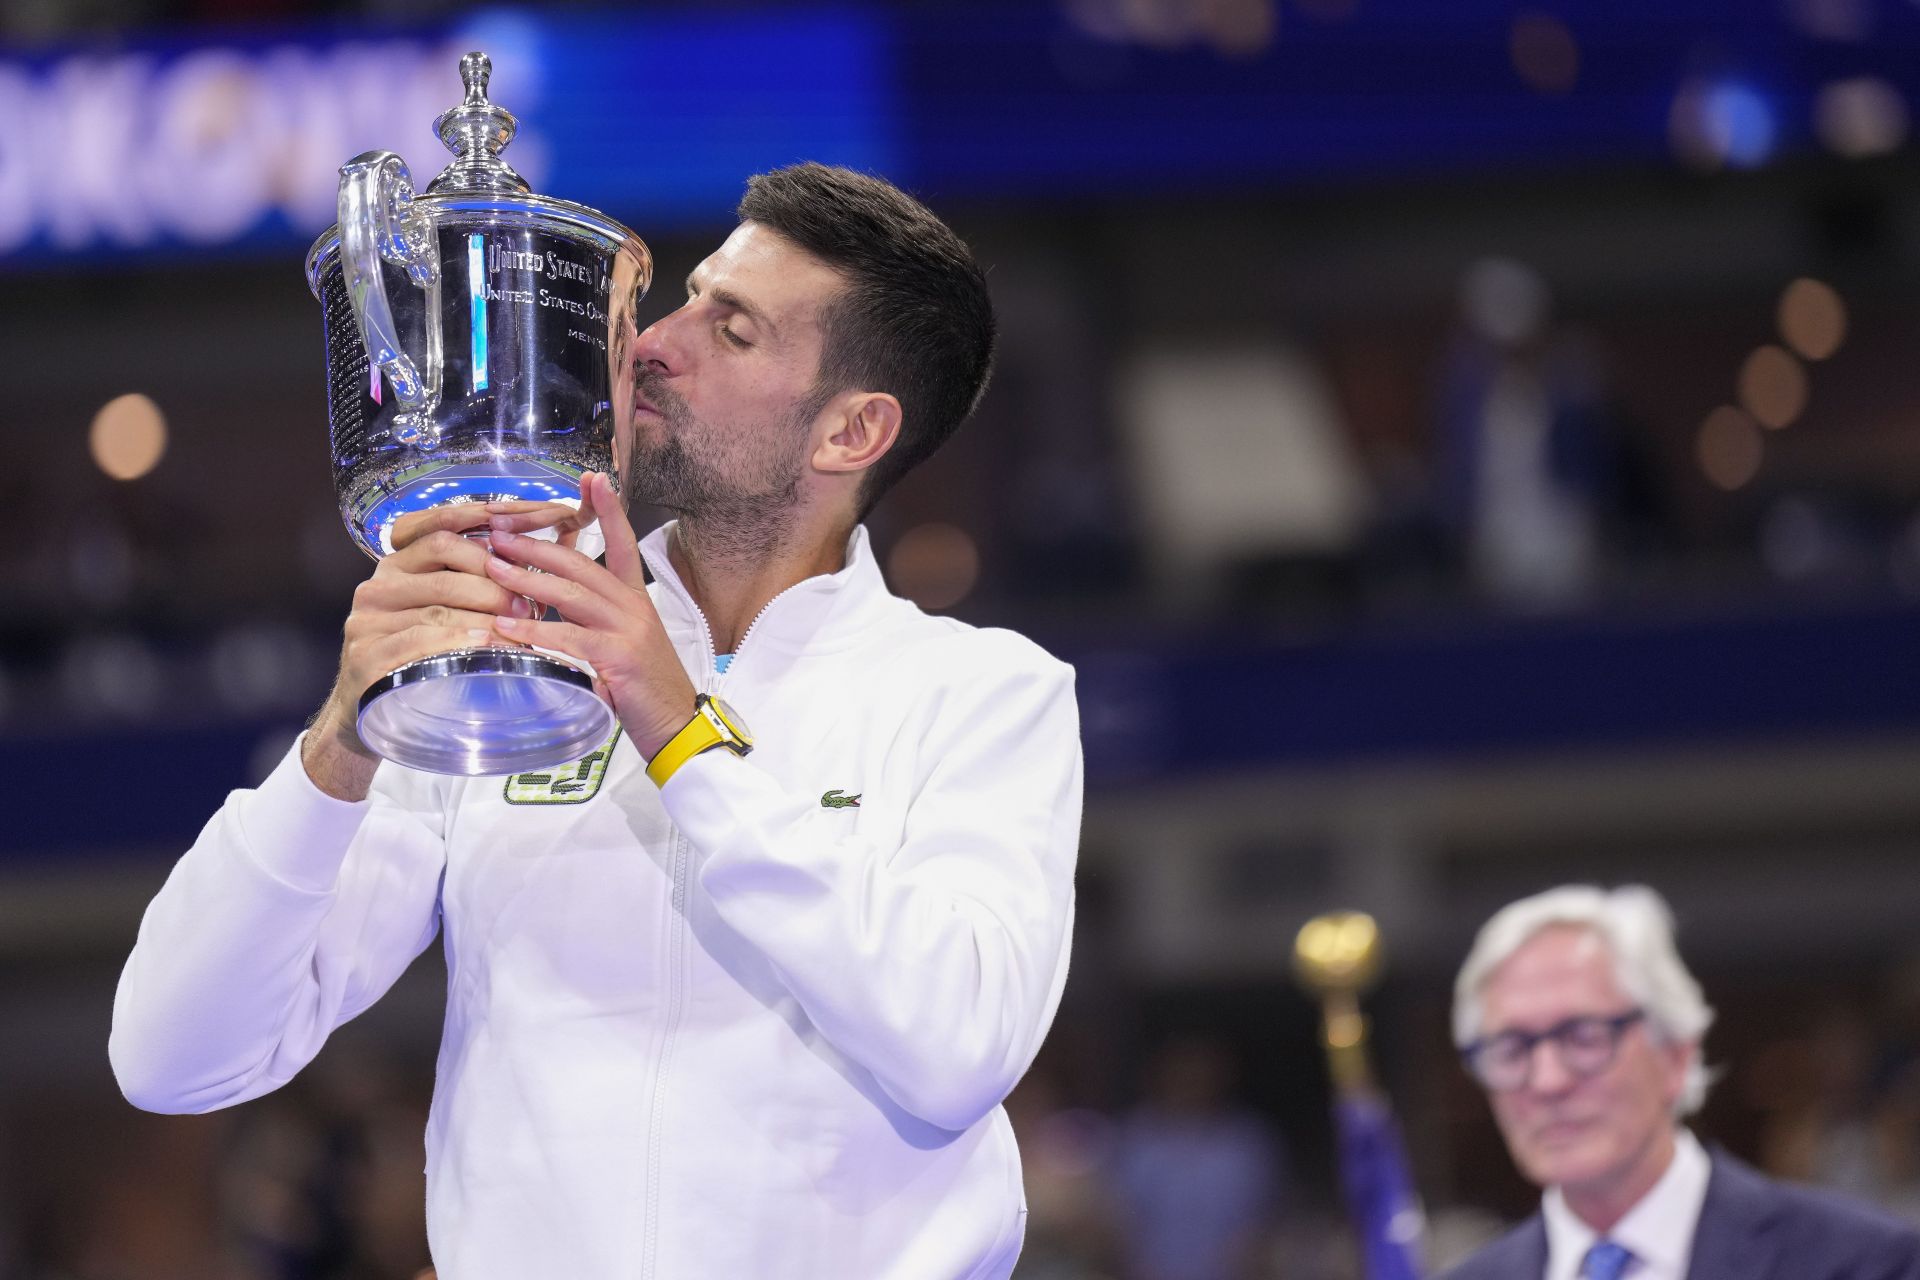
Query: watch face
x=731 y=719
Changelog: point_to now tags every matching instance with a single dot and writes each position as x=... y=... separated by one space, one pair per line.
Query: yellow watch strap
x=697 y=735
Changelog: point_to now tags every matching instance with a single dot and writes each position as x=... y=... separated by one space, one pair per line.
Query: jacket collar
x=1731 y=1243
x=826 y=611
x=1658 y=1229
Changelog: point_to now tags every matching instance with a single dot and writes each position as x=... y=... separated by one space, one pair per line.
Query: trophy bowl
x=477 y=343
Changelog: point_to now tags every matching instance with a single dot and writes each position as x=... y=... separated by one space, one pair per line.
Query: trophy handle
x=379 y=218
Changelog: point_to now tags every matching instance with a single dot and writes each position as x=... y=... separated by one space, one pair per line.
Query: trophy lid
x=1339 y=952
x=480 y=186
x=477 y=132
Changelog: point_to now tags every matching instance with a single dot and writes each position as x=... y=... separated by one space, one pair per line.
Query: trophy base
x=484 y=712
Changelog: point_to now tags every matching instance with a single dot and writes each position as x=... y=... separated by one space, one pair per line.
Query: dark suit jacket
x=1751 y=1228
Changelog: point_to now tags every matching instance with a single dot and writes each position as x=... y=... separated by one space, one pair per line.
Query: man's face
x=1596 y=1133
x=724 y=385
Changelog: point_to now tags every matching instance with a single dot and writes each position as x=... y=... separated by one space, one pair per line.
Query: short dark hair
x=915 y=319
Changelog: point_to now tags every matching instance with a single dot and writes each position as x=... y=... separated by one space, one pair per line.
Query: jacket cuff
x=705 y=797
x=295 y=832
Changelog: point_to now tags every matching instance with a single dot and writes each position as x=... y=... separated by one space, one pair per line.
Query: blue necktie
x=1605 y=1261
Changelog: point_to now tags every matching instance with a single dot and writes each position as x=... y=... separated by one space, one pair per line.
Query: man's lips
x=1560 y=1130
x=644 y=401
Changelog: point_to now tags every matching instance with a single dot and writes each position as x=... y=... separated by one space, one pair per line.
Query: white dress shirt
x=1658 y=1231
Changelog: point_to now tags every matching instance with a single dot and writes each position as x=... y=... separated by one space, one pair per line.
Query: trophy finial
x=476 y=69
x=1338 y=952
x=1337 y=956
x=477 y=132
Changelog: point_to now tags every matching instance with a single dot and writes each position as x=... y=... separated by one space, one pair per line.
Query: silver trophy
x=477 y=339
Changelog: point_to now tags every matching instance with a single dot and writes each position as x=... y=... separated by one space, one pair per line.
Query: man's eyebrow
x=727 y=298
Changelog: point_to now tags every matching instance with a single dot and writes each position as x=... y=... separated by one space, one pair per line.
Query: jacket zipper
x=675 y=936
x=745 y=636
x=676 y=949
x=714 y=676
x=676 y=982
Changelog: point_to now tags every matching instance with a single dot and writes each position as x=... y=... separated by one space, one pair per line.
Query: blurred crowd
x=1186 y=1177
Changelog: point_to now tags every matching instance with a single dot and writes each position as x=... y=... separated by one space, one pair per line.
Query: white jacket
x=734 y=1028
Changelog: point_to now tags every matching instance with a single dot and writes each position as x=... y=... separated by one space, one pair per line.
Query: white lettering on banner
x=17 y=208
x=333 y=104
x=209 y=122
x=91 y=108
x=124 y=150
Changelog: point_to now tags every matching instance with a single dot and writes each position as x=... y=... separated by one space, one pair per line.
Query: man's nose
x=1547 y=1073
x=658 y=346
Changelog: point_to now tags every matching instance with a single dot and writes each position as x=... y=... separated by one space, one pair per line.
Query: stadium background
x=1464 y=445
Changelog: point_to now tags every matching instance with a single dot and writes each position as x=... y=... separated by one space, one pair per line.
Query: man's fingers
x=366 y=628
x=440 y=549
x=580 y=598
x=559 y=636
x=549 y=557
x=474 y=518
x=557 y=516
x=514 y=505
x=438 y=617
x=374 y=656
x=623 y=549
x=570 y=582
x=388 y=593
x=453 y=518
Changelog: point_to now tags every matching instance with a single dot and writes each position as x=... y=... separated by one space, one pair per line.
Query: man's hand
x=610 y=621
x=430 y=595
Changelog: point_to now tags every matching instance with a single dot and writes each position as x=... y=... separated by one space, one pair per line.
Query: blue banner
x=217 y=140
x=235 y=143
x=1373 y=1170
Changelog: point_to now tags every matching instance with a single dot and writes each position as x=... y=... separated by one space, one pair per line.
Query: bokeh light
x=1544 y=52
x=128 y=436
x=1719 y=124
x=1795 y=543
x=1729 y=448
x=263 y=667
x=113 y=675
x=1242 y=28
x=1504 y=300
x=100 y=565
x=1813 y=319
x=1864 y=116
x=934 y=565
x=1835 y=20
x=1773 y=386
x=1234 y=28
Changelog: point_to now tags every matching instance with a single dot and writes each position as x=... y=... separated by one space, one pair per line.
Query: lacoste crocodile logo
x=839 y=800
x=574 y=783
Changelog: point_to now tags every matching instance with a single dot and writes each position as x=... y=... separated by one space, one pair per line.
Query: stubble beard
x=730 y=506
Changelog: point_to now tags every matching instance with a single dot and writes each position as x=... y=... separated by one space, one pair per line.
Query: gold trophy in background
x=1338 y=957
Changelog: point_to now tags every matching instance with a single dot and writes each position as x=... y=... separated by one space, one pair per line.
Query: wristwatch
x=714 y=724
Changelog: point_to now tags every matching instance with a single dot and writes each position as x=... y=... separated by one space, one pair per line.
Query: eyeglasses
x=1586 y=1047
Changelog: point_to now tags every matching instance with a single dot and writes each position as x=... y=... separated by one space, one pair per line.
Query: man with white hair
x=1576 y=1014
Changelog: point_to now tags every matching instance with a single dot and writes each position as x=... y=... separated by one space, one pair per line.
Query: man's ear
x=862 y=425
x=1678 y=1060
